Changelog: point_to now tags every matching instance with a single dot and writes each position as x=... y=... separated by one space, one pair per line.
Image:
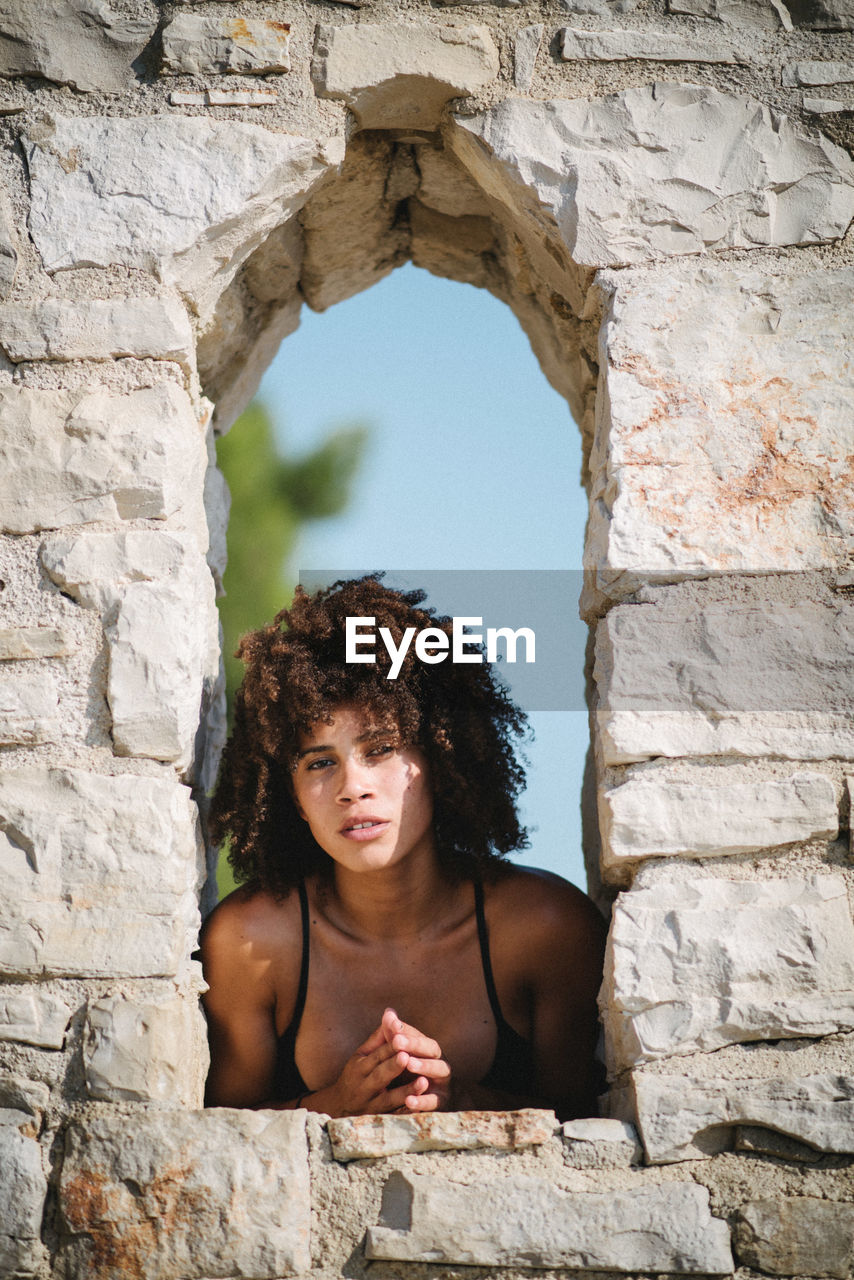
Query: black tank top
x=512 y=1069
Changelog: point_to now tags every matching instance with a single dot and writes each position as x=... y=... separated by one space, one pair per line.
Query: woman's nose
x=354 y=781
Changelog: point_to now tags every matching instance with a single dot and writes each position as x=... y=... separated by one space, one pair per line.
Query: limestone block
x=768 y=1142
x=364 y=1137
x=827 y=15
x=684 y=1118
x=68 y=458
x=654 y=46
x=447 y=187
x=20 y=1094
x=197 y=45
x=19 y=643
x=806 y=74
x=766 y=679
x=101 y=329
x=526 y=46
x=187 y=1194
x=152 y=1050
x=156 y=594
x=529 y=1222
x=104 y=191
x=88 y=44
x=825 y=106
x=29 y=707
x=8 y=247
x=100 y=872
x=223 y=97
x=659 y=817
x=718 y=962
x=600 y=1144
x=401 y=75
x=658 y=171
x=30 y=1015
x=23 y=1190
x=769 y=15
x=797 y=1236
x=761 y=353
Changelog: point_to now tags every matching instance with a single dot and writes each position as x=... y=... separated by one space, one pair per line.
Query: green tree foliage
x=272 y=498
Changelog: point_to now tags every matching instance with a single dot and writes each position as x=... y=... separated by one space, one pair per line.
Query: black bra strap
x=303 y=973
x=483 y=937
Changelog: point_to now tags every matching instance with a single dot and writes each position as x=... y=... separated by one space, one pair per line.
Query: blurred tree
x=272 y=497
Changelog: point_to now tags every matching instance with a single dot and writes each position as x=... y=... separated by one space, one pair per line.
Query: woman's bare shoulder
x=254 y=923
x=545 y=909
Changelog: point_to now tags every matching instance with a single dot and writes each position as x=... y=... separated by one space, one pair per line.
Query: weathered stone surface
x=806 y=74
x=18 y=643
x=757 y=351
x=104 y=191
x=84 y=43
x=825 y=106
x=659 y=817
x=659 y=171
x=146 y=1051
x=826 y=15
x=730 y=679
x=222 y=97
x=763 y=14
x=683 y=1118
x=768 y=1142
x=600 y=1144
x=23 y=1190
x=20 y=1094
x=187 y=1194
x=68 y=458
x=200 y=45
x=526 y=46
x=528 y=1222
x=797 y=1236
x=8 y=249
x=102 y=329
x=29 y=707
x=655 y=46
x=32 y=1016
x=363 y=1137
x=100 y=874
x=718 y=962
x=401 y=75
x=156 y=595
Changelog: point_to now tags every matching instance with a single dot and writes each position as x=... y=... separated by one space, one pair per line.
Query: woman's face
x=367 y=800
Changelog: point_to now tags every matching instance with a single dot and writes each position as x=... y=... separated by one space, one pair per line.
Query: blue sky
x=473 y=463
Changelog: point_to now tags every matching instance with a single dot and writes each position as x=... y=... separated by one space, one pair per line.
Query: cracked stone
x=655 y=46
x=29 y=1015
x=87 y=44
x=365 y=1137
x=23 y=1191
x=57 y=329
x=152 y=1050
x=797 y=1236
x=200 y=45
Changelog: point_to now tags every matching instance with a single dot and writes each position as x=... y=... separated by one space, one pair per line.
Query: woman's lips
x=355 y=828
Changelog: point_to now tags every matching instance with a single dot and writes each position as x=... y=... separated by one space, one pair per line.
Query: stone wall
x=663 y=193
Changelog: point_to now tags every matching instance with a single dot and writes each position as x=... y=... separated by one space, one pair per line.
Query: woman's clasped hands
x=397 y=1069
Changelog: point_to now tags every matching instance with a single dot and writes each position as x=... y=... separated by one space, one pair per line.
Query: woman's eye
x=320 y=763
x=385 y=749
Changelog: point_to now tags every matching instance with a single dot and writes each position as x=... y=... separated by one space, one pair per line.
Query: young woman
x=381 y=956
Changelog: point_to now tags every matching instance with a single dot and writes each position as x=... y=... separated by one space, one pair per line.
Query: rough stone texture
x=825 y=106
x=768 y=1142
x=762 y=14
x=198 y=45
x=56 y=329
x=88 y=44
x=20 y=1094
x=17 y=643
x=806 y=74
x=526 y=46
x=222 y=97
x=29 y=707
x=23 y=1189
x=730 y=679
x=649 y=46
x=8 y=249
x=104 y=191
x=600 y=1144
x=827 y=15
x=659 y=171
x=101 y=874
x=363 y=1137
x=401 y=76
x=156 y=596
x=187 y=1194
x=146 y=1051
x=32 y=1016
x=68 y=458
x=683 y=1118
x=528 y=1222
x=718 y=962
x=754 y=351
x=797 y=1236
x=652 y=817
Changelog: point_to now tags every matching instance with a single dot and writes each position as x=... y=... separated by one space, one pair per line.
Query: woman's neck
x=397 y=903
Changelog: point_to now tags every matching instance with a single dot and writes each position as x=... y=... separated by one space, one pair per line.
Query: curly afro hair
x=296 y=675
